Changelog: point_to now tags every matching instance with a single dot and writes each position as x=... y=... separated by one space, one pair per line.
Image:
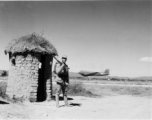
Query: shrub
x=78 y=89
x=4 y=73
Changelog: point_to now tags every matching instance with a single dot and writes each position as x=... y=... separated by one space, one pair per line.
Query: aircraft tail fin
x=107 y=71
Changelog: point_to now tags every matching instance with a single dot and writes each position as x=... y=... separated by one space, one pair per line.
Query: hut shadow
x=61 y=98
x=2 y=102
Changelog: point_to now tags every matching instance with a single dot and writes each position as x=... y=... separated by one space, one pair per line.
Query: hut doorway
x=41 y=92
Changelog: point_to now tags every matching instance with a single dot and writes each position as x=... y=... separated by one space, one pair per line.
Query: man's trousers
x=61 y=87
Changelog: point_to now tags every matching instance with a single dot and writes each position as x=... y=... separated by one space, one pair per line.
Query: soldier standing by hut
x=62 y=79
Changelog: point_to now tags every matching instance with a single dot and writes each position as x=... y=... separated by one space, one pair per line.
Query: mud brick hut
x=30 y=68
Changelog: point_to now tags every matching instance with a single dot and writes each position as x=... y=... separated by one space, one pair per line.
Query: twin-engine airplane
x=88 y=73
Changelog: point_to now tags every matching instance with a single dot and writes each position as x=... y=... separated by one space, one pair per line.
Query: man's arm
x=59 y=68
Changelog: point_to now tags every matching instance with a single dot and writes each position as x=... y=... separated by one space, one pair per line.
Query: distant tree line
x=3 y=73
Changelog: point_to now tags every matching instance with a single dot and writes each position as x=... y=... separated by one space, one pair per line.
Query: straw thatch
x=31 y=43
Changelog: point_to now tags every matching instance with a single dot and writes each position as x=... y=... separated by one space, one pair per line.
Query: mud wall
x=23 y=75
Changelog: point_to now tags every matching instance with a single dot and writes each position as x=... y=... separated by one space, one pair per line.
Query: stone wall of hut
x=23 y=77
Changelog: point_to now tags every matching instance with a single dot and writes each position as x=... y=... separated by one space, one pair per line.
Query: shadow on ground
x=72 y=105
x=61 y=98
x=2 y=102
x=75 y=104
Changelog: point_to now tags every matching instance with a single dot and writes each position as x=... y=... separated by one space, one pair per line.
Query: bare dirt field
x=106 y=107
x=113 y=102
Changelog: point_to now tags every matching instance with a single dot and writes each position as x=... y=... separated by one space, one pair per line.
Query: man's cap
x=64 y=56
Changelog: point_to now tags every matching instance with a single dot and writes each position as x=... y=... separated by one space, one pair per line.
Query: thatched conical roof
x=31 y=43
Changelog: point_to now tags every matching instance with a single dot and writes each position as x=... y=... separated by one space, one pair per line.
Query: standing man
x=62 y=79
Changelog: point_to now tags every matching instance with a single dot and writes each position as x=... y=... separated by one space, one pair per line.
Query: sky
x=95 y=35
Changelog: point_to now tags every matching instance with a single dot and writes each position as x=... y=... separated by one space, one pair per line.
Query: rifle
x=60 y=62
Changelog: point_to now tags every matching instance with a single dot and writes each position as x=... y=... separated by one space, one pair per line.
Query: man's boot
x=57 y=101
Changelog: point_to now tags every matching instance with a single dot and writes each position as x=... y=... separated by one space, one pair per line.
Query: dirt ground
x=106 y=107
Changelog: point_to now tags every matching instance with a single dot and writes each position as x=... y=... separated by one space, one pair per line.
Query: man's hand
x=63 y=65
x=66 y=83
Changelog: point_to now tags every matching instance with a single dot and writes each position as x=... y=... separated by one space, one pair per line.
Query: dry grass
x=120 y=90
x=77 y=89
x=101 y=81
x=31 y=43
x=80 y=89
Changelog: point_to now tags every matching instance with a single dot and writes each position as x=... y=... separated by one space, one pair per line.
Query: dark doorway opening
x=41 y=92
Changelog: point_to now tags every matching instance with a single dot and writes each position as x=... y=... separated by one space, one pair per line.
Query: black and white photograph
x=79 y=60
